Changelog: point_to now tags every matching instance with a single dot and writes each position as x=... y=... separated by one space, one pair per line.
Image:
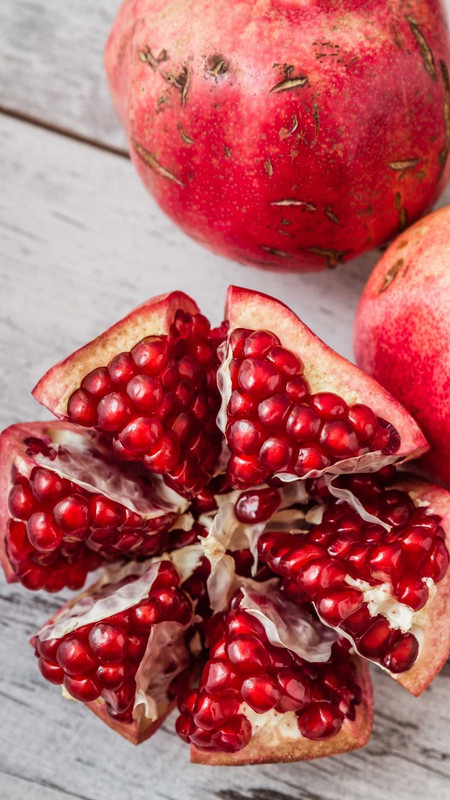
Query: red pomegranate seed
x=107 y=642
x=21 y=501
x=165 y=456
x=72 y=515
x=320 y=721
x=272 y=412
x=363 y=420
x=151 y=355
x=240 y=623
x=84 y=689
x=257 y=505
x=375 y=641
x=336 y=605
x=275 y=454
x=248 y=655
x=303 y=424
x=74 y=657
x=46 y=485
x=113 y=412
x=259 y=378
x=261 y=693
x=258 y=343
x=339 y=438
x=310 y=458
x=51 y=671
x=146 y=614
x=145 y=392
x=141 y=434
x=416 y=545
x=297 y=389
x=42 y=532
x=211 y=712
x=111 y=676
x=357 y=622
x=385 y=560
x=104 y=513
x=245 y=471
x=98 y=382
x=245 y=437
x=183 y=726
x=82 y=408
x=121 y=369
x=321 y=574
x=219 y=677
x=285 y=361
x=329 y=405
x=300 y=554
x=411 y=590
x=237 y=340
x=437 y=564
x=402 y=654
x=241 y=405
x=296 y=690
x=233 y=735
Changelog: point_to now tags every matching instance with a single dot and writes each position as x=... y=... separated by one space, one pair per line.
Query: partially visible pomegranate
x=376 y=569
x=67 y=505
x=402 y=331
x=289 y=135
x=120 y=645
x=275 y=687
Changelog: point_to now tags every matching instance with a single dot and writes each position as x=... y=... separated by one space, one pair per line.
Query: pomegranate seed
x=98 y=382
x=141 y=434
x=110 y=676
x=47 y=486
x=296 y=690
x=303 y=424
x=257 y=505
x=385 y=561
x=245 y=471
x=82 y=408
x=261 y=693
x=210 y=712
x=272 y=412
x=51 y=671
x=241 y=405
x=241 y=623
x=233 y=735
x=113 y=412
x=258 y=343
x=357 y=622
x=275 y=454
x=285 y=361
x=43 y=533
x=165 y=456
x=319 y=575
x=74 y=657
x=186 y=701
x=183 y=726
x=21 y=502
x=121 y=369
x=299 y=556
x=259 y=378
x=402 y=654
x=47 y=648
x=416 y=545
x=375 y=641
x=146 y=614
x=237 y=340
x=339 y=438
x=122 y=699
x=297 y=389
x=245 y=437
x=107 y=642
x=219 y=677
x=310 y=458
x=437 y=564
x=151 y=355
x=145 y=392
x=72 y=515
x=320 y=721
x=336 y=605
x=248 y=655
x=104 y=513
x=363 y=420
x=329 y=405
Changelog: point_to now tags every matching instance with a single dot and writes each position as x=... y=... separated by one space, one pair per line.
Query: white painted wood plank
x=80 y=244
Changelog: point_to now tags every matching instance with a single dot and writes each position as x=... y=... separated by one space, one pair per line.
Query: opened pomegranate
x=402 y=334
x=240 y=484
x=252 y=124
x=119 y=647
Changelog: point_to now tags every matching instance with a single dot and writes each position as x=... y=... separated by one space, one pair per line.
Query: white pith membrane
x=81 y=459
x=368 y=462
x=165 y=646
x=227 y=533
x=293 y=629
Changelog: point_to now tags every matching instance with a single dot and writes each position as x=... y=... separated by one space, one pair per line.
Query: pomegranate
x=266 y=696
x=118 y=647
x=401 y=332
x=252 y=124
x=67 y=506
x=240 y=484
x=375 y=565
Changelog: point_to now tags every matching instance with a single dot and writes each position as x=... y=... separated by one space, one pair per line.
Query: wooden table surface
x=81 y=243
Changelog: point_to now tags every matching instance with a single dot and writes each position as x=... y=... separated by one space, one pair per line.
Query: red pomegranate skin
x=402 y=331
x=285 y=134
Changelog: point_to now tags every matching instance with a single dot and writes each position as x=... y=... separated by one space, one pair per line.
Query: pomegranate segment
x=156 y=399
x=253 y=691
x=120 y=648
x=373 y=582
x=68 y=507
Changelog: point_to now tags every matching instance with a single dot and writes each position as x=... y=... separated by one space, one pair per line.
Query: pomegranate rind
x=435 y=647
x=324 y=369
x=152 y=318
x=353 y=735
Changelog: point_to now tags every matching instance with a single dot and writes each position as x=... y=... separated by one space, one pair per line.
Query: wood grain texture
x=80 y=244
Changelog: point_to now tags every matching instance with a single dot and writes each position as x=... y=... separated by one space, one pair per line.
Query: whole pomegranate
x=285 y=134
x=402 y=331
